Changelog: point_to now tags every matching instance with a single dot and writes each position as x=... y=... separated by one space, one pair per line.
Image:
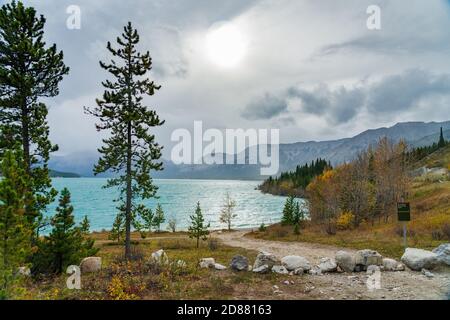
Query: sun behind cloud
x=225 y=45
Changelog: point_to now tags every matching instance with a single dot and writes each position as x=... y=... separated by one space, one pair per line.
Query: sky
x=309 y=68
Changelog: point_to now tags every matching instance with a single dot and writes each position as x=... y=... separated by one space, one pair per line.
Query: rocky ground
x=397 y=285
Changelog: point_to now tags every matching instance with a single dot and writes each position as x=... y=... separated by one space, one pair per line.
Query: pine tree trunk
x=128 y=204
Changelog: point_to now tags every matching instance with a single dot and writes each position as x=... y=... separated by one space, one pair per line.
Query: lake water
x=178 y=199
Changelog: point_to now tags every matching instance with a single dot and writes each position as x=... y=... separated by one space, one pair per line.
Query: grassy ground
x=430 y=213
x=140 y=280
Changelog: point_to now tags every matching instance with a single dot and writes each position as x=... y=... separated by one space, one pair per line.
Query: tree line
x=295 y=182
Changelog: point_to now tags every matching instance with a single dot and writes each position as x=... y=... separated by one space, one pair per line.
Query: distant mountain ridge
x=291 y=155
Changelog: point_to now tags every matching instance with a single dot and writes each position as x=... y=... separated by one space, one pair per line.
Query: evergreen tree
x=159 y=218
x=131 y=150
x=29 y=71
x=299 y=217
x=227 y=213
x=85 y=225
x=66 y=244
x=117 y=232
x=288 y=211
x=146 y=224
x=14 y=229
x=198 y=230
x=441 y=142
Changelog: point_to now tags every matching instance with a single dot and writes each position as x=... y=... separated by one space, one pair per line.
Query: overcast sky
x=310 y=68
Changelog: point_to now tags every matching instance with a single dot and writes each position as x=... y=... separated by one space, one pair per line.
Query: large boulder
x=239 y=263
x=365 y=258
x=327 y=265
x=265 y=258
x=91 y=264
x=159 y=257
x=392 y=265
x=418 y=259
x=206 y=263
x=294 y=262
x=345 y=261
x=443 y=253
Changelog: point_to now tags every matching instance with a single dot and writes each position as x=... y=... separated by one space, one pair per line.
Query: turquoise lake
x=178 y=199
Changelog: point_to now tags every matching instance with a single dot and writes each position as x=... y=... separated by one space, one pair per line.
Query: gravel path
x=394 y=285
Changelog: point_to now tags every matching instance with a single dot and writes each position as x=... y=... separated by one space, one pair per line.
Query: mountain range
x=416 y=134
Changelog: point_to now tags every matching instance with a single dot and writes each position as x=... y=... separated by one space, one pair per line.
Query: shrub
x=344 y=222
x=330 y=229
x=437 y=235
x=262 y=228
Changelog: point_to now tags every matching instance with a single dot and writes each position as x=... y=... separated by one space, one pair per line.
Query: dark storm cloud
x=390 y=94
x=265 y=108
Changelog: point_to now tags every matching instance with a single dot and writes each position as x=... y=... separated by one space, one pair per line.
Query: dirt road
x=394 y=285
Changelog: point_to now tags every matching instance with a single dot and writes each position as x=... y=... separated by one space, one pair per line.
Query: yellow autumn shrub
x=345 y=220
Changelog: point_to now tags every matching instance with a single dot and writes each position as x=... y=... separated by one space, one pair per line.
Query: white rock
x=159 y=257
x=91 y=264
x=298 y=272
x=443 y=253
x=262 y=269
x=427 y=273
x=280 y=270
x=206 y=263
x=390 y=264
x=315 y=271
x=286 y=282
x=327 y=265
x=265 y=258
x=418 y=259
x=218 y=266
x=367 y=257
x=294 y=262
x=345 y=261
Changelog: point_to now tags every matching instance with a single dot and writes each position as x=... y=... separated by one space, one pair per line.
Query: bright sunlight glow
x=225 y=46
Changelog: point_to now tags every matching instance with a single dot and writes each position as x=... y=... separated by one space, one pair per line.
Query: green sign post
x=404 y=215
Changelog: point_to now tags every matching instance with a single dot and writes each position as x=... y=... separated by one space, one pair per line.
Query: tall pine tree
x=14 y=228
x=29 y=70
x=131 y=151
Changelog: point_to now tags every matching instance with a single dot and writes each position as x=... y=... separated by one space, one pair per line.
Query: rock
x=159 y=257
x=418 y=259
x=91 y=264
x=390 y=264
x=365 y=258
x=327 y=265
x=427 y=273
x=294 y=262
x=400 y=267
x=298 y=272
x=443 y=253
x=315 y=271
x=262 y=269
x=286 y=282
x=265 y=258
x=24 y=271
x=239 y=263
x=218 y=266
x=345 y=261
x=206 y=263
x=280 y=270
